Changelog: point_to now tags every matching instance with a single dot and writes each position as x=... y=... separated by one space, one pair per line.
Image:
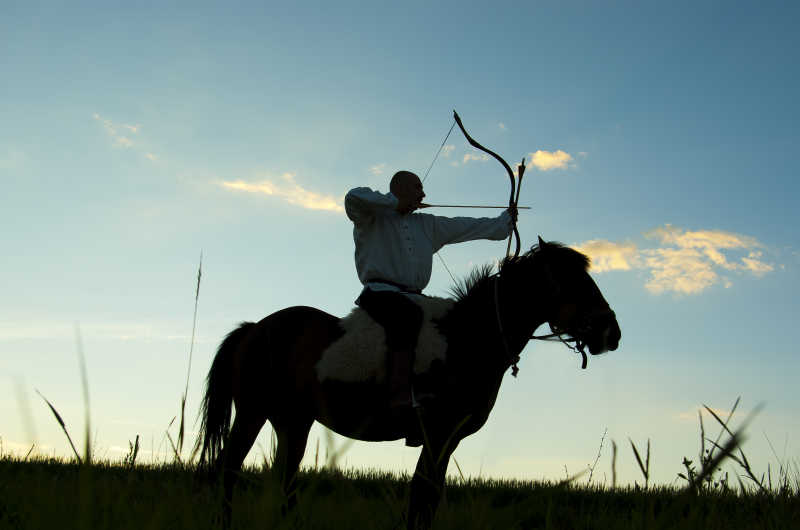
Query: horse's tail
x=216 y=407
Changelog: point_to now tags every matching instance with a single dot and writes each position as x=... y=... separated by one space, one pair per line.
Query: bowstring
x=439 y=151
x=436 y=157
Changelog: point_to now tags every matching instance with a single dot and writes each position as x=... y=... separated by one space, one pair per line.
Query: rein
x=511 y=359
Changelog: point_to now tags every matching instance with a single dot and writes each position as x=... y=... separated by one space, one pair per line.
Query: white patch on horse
x=360 y=354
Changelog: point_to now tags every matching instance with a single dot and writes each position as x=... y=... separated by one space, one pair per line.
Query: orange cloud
x=288 y=190
x=685 y=261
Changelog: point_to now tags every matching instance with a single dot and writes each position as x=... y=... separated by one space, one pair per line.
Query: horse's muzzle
x=608 y=335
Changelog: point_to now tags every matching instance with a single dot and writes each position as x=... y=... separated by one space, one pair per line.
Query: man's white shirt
x=399 y=248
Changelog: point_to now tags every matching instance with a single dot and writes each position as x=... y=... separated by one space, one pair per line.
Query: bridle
x=583 y=328
x=566 y=337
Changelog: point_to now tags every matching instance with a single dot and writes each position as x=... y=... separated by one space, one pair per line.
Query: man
x=394 y=255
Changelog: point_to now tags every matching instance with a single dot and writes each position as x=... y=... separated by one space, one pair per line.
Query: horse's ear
x=542 y=244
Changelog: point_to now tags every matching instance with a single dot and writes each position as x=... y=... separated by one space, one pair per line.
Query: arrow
x=423 y=205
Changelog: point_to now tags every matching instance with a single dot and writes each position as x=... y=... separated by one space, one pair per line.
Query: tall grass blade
x=181 y=428
x=597 y=459
x=87 y=446
x=63 y=427
x=735 y=441
x=613 y=464
x=645 y=469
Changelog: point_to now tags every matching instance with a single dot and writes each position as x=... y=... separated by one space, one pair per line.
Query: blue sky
x=665 y=143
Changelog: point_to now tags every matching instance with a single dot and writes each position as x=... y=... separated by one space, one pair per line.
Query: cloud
x=682 y=261
x=121 y=134
x=680 y=270
x=287 y=189
x=448 y=150
x=469 y=157
x=113 y=130
x=608 y=256
x=502 y=126
x=377 y=169
x=547 y=160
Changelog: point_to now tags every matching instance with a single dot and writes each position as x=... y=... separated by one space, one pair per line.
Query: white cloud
x=547 y=160
x=378 y=169
x=113 y=129
x=681 y=270
x=448 y=150
x=120 y=134
x=502 y=126
x=287 y=189
x=684 y=261
x=469 y=157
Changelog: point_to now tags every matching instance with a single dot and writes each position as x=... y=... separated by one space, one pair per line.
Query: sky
x=661 y=139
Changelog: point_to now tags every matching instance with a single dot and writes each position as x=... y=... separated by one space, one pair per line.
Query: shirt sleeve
x=447 y=230
x=362 y=204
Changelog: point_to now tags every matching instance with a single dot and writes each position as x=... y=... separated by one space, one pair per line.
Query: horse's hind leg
x=292 y=437
x=246 y=427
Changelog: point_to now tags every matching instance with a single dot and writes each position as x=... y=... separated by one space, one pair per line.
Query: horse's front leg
x=427 y=485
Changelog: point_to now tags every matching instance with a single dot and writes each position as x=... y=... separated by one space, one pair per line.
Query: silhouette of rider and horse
x=402 y=365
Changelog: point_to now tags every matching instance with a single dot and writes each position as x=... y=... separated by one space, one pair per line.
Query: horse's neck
x=496 y=326
x=520 y=313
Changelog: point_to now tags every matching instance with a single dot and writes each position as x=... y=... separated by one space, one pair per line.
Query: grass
x=56 y=493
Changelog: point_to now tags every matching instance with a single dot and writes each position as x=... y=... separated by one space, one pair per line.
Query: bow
x=513 y=199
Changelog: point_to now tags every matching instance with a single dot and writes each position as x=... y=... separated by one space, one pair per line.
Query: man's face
x=411 y=188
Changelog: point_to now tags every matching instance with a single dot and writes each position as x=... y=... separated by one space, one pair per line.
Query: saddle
x=359 y=355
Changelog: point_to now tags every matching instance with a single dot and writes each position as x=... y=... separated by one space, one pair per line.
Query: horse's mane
x=558 y=255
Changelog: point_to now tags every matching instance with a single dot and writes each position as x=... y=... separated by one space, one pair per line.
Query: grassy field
x=49 y=493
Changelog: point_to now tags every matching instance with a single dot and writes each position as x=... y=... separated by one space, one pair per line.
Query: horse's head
x=577 y=308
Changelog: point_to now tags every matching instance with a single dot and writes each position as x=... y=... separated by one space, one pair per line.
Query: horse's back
x=284 y=346
x=299 y=313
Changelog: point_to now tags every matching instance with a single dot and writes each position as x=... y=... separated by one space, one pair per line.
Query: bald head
x=407 y=187
x=402 y=180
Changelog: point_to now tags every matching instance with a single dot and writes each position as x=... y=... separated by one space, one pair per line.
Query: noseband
x=584 y=328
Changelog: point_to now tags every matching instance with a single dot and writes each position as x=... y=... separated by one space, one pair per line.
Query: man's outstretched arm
x=447 y=230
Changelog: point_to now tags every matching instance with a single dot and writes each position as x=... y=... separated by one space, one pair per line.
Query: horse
x=270 y=370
